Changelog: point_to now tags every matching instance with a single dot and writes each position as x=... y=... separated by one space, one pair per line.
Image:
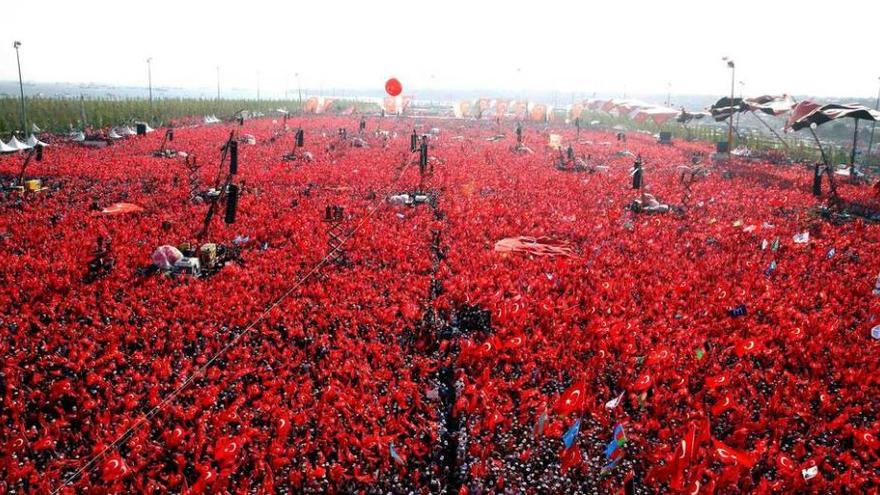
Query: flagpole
x=732 y=66
x=874 y=126
x=852 y=157
x=771 y=130
x=828 y=167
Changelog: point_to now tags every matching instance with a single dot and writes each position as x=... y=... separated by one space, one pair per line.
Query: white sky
x=575 y=45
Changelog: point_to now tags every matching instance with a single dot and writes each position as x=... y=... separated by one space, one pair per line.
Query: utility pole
x=741 y=86
x=16 y=45
x=299 y=90
x=732 y=67
x=150 y=83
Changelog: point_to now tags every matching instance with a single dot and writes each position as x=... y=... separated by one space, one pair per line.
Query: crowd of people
x=729 y=335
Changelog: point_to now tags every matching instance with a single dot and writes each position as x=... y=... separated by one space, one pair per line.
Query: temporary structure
x=17 y=145
x=33 y=141
x=808 y=114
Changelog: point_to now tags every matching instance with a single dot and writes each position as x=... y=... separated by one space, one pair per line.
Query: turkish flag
x=570 y=458
x=572 y=400
x=786 y=465
x=643 y=383
x=867 y=439
x=722 y=405
x=731 y=456
x=747 y=347
x=114 y=468
x=714 y=382
x=226 y=449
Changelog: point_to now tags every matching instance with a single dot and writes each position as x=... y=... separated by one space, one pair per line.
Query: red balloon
x=393 y=87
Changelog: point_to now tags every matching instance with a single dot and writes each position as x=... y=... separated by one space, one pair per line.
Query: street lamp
x=299 y=91
x=16 y=45
x=742 y=84
x=258 y=87
x=218 y=83
x=874 y=126
x=732 y=67
x=668 y=93
x=150 y=83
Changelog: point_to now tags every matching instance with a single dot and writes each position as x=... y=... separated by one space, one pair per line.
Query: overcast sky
x=575 y=45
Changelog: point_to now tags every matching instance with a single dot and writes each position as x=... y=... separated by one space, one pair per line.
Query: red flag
x=722 y=405
x=226 y=449
x=868 y=439
x=659 y=356
x=730 y=456
x=570 y=458
x=572 y=400
x=114 y=468
x=514 y=343
x=747 y=347
x=643 y=383
x=786 y=465
x=714 y=382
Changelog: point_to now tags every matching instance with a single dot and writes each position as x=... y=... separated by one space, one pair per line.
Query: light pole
x=218 y=83
x=150 y=82
x=732 y=67
x=741 y=86
x=668 y=93
x=874 y=125
x=258 y=88
x=16 y=45
x=299 y=92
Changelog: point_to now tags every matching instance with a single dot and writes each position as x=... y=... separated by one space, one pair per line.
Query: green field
x=64 y=114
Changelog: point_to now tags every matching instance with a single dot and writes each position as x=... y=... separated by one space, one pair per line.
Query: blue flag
x=570 y=435
x=614 y=450
x=394 y=454
x=738 y=311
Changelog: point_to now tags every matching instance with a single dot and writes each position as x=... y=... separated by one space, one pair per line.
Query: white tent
x=33 y=141
x=77 y=136
x=113 y=134
x=6 y=149
x=34 y=128
x=17 y=145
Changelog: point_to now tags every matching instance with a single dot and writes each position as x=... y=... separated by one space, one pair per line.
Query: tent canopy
x=807 y=113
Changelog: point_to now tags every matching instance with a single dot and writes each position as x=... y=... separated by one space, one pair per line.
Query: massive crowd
x=738 y=348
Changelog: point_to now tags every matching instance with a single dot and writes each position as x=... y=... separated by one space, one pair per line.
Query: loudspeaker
x=300 y=138
x=169 y=134
x=141 y=129
x=665 y=137
x=233 y=157
x=231 y=203
x=413 y=142
x=721 y=147
x=39 y=152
